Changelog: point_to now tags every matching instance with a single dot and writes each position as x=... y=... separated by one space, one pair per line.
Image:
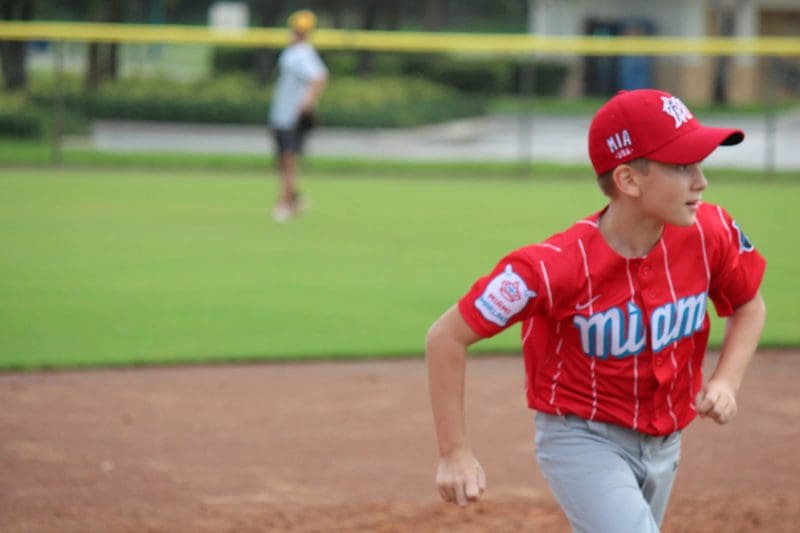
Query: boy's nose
x=699 y=182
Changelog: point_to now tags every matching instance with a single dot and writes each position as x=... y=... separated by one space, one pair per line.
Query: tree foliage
x=102 y=58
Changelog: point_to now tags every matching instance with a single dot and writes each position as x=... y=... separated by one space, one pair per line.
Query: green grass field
x=104 y=267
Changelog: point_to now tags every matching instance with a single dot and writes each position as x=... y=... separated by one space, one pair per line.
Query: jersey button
x=646 y=271
x=651 y=294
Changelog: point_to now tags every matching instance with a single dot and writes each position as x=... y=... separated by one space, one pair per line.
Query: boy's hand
x=460 y=478
x=717 y=400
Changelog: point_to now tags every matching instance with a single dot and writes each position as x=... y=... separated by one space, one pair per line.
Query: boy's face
x=671 y=193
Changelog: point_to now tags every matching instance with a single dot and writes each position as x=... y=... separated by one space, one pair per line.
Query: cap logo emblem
x=620 y=144
x=676 y=109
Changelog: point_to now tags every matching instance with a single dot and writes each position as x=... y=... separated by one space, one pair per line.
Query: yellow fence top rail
x=385 y=41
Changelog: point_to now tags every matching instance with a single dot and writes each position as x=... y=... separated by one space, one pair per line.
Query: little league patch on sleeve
x=505 y=296
x=744 y=243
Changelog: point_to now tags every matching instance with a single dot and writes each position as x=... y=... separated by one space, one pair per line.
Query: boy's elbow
x=434 y=335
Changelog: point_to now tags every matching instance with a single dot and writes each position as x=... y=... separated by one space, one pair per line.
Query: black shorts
x=288 y=141
x=292 y=140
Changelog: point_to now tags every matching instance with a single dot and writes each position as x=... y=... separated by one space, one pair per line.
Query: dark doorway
x=605 y=75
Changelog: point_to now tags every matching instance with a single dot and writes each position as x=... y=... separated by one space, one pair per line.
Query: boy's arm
x=459 y=476
x=315 y=89
x=742 y=332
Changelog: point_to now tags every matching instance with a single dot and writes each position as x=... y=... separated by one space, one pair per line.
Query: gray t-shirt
x=298 y=66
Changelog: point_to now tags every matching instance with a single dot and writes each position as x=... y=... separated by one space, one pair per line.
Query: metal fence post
x=527 y=81
x=58 y=102
x=770 y=123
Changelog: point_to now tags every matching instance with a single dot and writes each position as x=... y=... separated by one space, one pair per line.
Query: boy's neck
x=627 y=231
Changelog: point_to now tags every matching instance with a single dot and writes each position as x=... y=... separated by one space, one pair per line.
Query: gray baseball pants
x=606 y=478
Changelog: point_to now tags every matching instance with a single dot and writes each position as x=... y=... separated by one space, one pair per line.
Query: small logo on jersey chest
x=580 y=306
x=620 y=144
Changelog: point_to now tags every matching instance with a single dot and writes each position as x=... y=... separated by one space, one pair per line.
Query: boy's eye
x=683 y=168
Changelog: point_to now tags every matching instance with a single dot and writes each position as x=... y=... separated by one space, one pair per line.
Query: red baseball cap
x=652 y=124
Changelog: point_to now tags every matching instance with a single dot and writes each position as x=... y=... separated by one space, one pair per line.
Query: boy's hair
x=652 y=124
x=606 y=180
x=606 y=184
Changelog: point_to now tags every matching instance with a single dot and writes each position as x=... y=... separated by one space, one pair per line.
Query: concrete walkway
x=497 y=138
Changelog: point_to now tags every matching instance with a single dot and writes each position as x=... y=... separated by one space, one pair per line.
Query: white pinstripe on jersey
x=591 y=223
x=724 y=223
x=547 y=284
x=557 y=373
x=591 y=312
x=586 y=273
x=527 y=333
x=548 y=245
x=675 y=342
x=705 y=253
x=704 y=249
x=635 y=359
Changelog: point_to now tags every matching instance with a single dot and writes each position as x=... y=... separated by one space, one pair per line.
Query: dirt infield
x=343 y=447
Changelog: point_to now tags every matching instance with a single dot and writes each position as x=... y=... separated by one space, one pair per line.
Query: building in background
x=698 y=78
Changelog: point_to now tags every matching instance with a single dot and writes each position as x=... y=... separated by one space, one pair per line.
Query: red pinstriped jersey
x=615 y=339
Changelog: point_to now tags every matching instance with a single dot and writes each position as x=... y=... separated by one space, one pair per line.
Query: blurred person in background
x=301 y=80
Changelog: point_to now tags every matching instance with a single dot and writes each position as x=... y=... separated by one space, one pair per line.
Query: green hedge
x=393 y=101
x=23 y=118
x=230 y=60
x=347 y=102
x=21 y=124
x=485 y=75
x=19 y=120
x=467 y=73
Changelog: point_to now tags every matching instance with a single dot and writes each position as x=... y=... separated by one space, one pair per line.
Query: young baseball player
x=613 y=324
x=301 y=80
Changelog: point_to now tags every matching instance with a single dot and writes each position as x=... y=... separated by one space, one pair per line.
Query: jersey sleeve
x=738 y=269
x=311 y=67
x=509 y=293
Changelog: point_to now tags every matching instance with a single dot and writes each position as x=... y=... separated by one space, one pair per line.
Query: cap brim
x=696 y=145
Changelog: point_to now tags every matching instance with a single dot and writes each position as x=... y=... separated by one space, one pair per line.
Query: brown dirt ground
x=343 y=447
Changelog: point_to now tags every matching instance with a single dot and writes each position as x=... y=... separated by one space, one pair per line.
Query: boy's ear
x=627 y=180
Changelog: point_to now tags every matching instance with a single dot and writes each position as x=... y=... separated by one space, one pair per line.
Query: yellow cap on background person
x=302 y=21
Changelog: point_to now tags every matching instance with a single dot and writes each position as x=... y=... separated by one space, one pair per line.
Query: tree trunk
x=393 y=14
x=103 y=58
x=111 y=63
x=434 y=15
x=266 y=57
x=13 y=54
x=93 y=71
x=335 y=8
x=369 y=21
x=726 y=25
